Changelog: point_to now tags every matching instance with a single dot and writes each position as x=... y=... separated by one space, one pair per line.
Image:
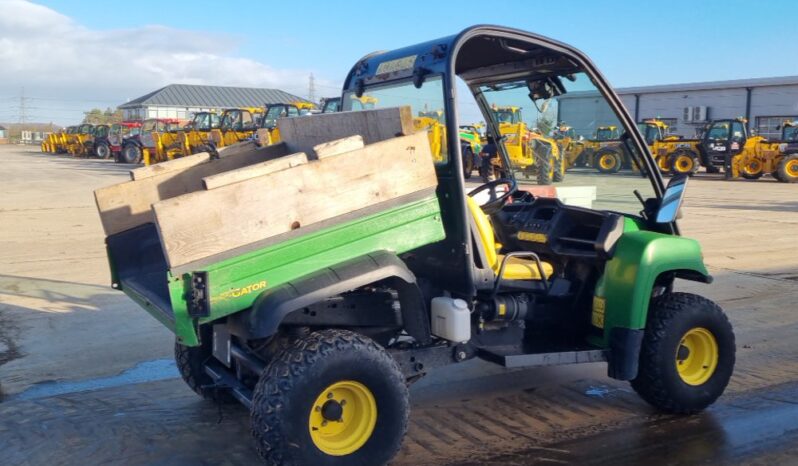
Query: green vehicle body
x=236 y=282
x=640 y=258
x=473 y=140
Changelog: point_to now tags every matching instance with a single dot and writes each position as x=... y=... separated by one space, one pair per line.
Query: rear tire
x=788 y=169
x=190 y=363
x=674 y=377
x=131 y=153
x=608 y=161
x=545 y=174
x=338 y=396
x=468 y=162
x=559 y=169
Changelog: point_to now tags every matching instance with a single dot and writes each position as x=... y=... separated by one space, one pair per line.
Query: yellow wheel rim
x=683 y=164
x=791 y=168
x=662 y=163
x=607 y=162
x=342 y=418
x=753 y=167
x=697 y=356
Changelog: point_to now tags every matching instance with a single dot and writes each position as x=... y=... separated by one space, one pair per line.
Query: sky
x=70 y=56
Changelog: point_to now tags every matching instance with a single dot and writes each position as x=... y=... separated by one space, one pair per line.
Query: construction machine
x=79 y=142
x=330 y=105
x=750 y=157
x=157 y=140
x=237 y=124
x=268 y=133
x=196 y=135
x=319 y=331
x=531 y=152
x=673 y=153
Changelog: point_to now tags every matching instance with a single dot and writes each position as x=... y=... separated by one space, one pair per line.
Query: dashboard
x=547 y=226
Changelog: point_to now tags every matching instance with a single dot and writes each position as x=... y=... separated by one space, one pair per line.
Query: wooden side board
x=206 y=223
x=303 y=133
x=127 y=205
x=253 y=171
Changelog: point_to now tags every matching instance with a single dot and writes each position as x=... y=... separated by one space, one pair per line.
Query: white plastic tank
x=451 y=319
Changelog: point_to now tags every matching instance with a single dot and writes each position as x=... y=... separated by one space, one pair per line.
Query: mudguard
x=623 y=293
x=272 y=306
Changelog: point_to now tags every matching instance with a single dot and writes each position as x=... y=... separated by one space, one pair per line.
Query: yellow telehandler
x=268 y=133
x=528 y=149
x=237 y=124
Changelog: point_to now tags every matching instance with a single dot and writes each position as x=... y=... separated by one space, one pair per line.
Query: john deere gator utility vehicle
x=318 y=334
x=750 y=156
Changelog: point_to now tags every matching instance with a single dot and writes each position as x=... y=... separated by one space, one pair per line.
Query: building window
x=770 y=126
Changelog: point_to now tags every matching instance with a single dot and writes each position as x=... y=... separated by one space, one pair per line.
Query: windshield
x=279 y=111
x=790 y=133
x=651 y=133
x=426 y=104
x=719 y=131
x=205 y=121
x=593 y=157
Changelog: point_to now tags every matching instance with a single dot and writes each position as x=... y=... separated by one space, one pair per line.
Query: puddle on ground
x=148 y=371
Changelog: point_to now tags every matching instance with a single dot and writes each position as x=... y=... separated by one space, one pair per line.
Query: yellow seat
x=517 y=268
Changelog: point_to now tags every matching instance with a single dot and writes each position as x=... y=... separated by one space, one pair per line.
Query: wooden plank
x=241 y=214
x=237 y=148
x=252 y=171
x=178 y=164
x=339 y=146
x=129 y=204
x=303 y=134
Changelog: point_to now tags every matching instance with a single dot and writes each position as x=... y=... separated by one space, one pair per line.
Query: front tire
x=683 y=162
x=787 y=169
x=559 y=169
x=131 y=153
x=687 y=356
x=608 y=161
x=102 y=150
x=338 y=396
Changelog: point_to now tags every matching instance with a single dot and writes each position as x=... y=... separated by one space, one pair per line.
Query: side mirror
x=672 y=199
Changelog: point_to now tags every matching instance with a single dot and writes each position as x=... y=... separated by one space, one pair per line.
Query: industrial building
x=181 y=101
x=686 y=108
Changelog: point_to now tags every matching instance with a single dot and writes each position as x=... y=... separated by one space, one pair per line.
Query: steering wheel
x=495 y=203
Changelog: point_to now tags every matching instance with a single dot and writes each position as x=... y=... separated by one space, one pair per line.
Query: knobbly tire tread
x=618 y=161
x=284 y=376
x=675 y=155
x=781 y=170
x=652 y=381
x=559 y=169
x=544 y=170
x=190 y=361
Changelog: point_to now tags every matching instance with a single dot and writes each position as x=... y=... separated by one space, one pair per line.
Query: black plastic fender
x=270 y=308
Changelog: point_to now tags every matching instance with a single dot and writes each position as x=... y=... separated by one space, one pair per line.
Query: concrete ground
x=86 y=375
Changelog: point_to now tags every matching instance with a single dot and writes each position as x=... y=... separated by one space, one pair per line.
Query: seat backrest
x=484 y=229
